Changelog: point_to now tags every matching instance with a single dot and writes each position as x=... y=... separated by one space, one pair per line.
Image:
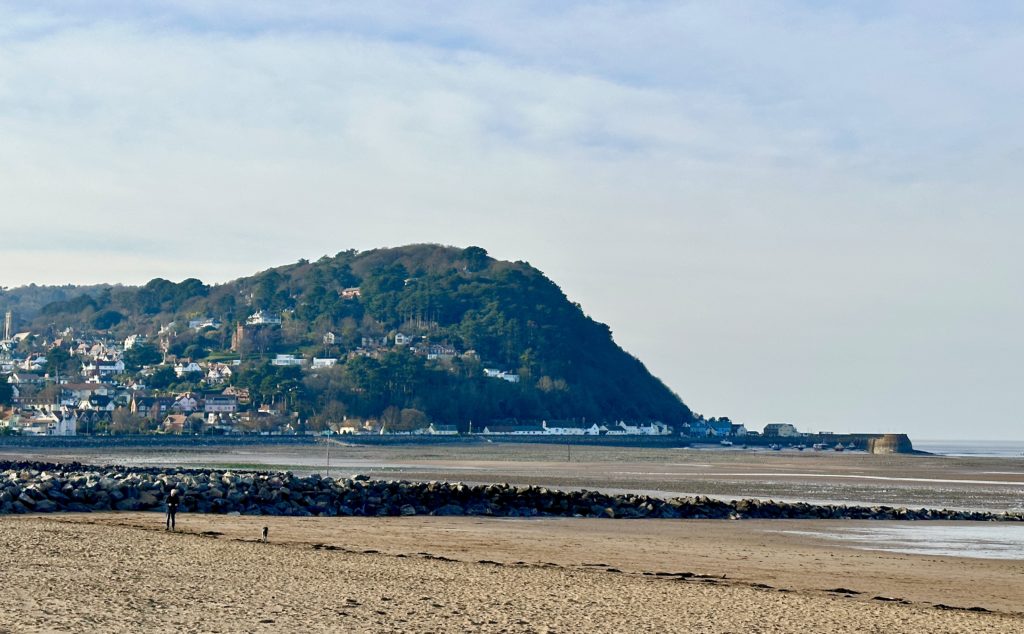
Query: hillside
x=421 y=329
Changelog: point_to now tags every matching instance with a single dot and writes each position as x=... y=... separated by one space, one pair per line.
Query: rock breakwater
x=37 y=487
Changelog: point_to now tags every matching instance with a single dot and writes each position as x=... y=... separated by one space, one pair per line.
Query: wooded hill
x=509 y=314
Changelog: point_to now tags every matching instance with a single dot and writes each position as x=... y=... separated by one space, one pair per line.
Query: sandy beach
x=123 y=572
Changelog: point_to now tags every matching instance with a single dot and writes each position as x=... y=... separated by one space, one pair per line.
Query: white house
x=568 y=428
x=186 y=403
x=133 y=340
x=324 y=363
x=442 y=430
x=110 y=366
x=330 y=338
x=402 y=340
x=187 y=368
x=46 y=423
x=501 y=374
x=25 y=378
x=218 y=373
x=263 y=318
x=204 y=322
x=82 y=391
x=653 y=428
x=220 y=404
x=440 y=351
x=350 y=427
x=66 y=425
x=287 y=360
x=513 y=430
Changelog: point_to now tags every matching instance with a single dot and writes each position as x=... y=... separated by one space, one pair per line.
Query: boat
x=726 y=443
x=775 y=447
x=839 y=447
x=819 y=446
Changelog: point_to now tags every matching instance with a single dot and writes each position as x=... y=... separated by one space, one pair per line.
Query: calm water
x=977 y=541
x=993 y=448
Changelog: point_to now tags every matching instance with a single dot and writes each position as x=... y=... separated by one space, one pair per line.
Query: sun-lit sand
x=123 y=572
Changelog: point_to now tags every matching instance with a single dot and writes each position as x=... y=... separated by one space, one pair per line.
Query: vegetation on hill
x=478 y=312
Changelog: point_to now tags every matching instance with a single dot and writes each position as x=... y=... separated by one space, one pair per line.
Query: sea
x=974 y=448
x=977 y=540
x=973 y=540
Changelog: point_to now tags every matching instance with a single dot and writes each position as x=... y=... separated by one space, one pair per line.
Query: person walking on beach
x=173 y=499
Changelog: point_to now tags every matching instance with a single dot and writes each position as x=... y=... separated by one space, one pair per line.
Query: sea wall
x=890 y=443
x=35 y=487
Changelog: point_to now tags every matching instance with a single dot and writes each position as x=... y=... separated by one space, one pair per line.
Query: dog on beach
x=266 y=530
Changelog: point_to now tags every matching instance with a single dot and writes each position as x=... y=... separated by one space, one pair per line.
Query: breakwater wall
x=37 y=487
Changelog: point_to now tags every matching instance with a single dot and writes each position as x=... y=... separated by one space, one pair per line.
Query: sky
x=804 y=212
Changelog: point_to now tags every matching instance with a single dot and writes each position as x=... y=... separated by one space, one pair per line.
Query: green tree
x=59 y=361
x=107 y=319
x=476 y=258
x=162 y=378
x=139 y=355
x=6 y=391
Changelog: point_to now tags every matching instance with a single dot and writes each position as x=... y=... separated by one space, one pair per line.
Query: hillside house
x=104 y=366
x=155 y=407
x=204 y=322
x=373 y=342
x=186 y=402
x=218 y=373
x=263 y=318
x=323 y=363
x=402 y=340
x=97 y=404
x=441 y=351
x=25 y=378
x=241 y=393
x=220 y=404
x=190 y=367
x=288 y=360
x=133 y=340
x=501 y=374
x=84 y=391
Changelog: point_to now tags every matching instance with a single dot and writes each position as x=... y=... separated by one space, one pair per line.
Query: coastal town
x=76 y=384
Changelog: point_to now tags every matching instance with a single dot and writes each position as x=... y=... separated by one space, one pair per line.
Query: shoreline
x=31 y=487
x=961 y=483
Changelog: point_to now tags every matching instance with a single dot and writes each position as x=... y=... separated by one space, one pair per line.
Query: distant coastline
x=974 y=448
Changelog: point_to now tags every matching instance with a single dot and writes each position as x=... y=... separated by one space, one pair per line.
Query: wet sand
x=122 y=572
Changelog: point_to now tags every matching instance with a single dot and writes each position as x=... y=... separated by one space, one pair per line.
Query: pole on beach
x=328 y=457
